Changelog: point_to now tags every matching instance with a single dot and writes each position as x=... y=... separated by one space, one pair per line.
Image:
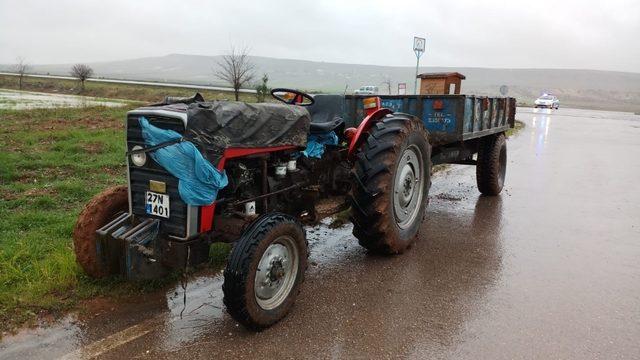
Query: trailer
x=455 y=122
x=252 y=174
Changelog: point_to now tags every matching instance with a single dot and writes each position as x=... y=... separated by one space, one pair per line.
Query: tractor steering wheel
x=292 y=97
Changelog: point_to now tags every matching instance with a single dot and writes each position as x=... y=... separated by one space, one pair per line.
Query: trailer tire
x=250 y=296
x=103 y=208
x=492 y=164
x=390 y=184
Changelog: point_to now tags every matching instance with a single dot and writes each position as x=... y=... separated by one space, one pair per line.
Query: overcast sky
x=516 y=34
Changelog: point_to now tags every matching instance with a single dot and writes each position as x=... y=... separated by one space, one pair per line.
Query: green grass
x=519 y=125
x=53 y=161
x=340 y=219
x=145 y=93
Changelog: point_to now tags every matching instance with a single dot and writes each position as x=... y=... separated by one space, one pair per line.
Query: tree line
x=235 y=68
x=82 y=72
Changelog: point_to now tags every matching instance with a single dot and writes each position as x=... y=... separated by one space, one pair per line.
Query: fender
x=363 y=128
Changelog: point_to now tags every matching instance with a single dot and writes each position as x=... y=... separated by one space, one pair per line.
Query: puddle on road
x=23 y=100
x=204 y=307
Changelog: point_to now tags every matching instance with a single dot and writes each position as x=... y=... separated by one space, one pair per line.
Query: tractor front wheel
x=391 y=181
x=265 y=271
x=103 y=208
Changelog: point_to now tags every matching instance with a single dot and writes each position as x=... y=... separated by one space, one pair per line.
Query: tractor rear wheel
x=390 y=187
x=265 y=271
x=103 y=208
x=492 y=164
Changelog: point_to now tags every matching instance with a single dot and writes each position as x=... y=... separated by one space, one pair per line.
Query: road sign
x=504 y=90
x=418 y=44
x=402 y=88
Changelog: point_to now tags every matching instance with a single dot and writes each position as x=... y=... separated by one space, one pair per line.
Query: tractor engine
x=286 y=182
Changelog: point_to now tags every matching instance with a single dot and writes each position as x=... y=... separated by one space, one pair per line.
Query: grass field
x=53 y=161
x=144 y=93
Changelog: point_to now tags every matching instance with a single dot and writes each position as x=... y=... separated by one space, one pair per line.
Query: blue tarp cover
x=316 y=143
x=199 y=181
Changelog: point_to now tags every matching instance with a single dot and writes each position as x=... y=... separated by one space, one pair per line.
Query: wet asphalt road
x=549 y=269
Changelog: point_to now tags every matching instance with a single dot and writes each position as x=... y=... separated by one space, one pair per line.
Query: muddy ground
x=548 y=269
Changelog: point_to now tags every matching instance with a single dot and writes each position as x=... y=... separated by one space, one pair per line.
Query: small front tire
x=265 y=271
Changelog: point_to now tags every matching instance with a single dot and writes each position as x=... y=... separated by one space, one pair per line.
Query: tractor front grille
x=139 y=177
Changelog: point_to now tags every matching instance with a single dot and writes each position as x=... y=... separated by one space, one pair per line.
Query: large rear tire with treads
x=390 y=184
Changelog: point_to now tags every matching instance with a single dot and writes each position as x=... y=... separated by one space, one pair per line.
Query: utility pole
x=387 y=82
x=418 y=48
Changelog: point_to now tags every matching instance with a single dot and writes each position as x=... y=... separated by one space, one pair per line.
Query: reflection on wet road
x=549 y=269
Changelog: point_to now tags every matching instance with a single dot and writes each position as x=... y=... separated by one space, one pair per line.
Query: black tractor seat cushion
x=326 y=113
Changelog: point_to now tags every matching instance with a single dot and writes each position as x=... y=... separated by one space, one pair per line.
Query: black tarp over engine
x=220 y=124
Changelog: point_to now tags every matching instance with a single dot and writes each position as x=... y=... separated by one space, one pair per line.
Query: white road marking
x=115 y=340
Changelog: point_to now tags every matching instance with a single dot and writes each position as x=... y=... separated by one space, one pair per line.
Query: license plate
x=157 y=204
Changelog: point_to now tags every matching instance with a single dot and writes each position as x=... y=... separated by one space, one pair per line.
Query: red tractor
x=203 y=172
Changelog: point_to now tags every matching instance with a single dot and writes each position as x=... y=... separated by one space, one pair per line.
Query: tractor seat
x=326 y=113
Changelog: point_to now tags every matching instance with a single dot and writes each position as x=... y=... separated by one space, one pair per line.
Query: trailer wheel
x=492 y=164
x=103 y=208
x=390 y=187
x=265 y=271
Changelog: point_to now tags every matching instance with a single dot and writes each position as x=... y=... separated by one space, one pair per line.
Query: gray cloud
x=520 y=34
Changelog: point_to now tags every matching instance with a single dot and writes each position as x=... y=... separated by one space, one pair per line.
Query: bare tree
x=236 y=69
x=82 y=72
x=21 y=67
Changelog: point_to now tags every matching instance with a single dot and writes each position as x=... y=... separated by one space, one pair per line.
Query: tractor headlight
x=138 y=159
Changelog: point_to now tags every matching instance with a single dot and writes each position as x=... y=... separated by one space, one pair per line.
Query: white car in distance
x=366 y=90
x=547 y=101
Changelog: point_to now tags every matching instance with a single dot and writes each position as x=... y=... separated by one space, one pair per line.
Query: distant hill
x=575 y=88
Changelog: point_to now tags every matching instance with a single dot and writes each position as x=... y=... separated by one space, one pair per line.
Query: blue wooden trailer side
x=448 y=118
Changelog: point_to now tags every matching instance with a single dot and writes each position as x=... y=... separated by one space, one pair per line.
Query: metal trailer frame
x=456 y=123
